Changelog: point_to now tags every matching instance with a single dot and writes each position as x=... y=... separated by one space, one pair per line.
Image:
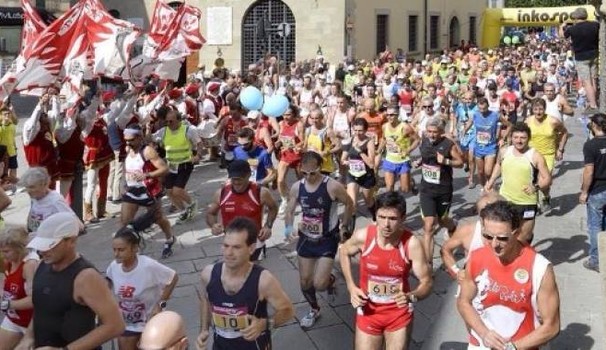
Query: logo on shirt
x=126 y=292
x=521 y=276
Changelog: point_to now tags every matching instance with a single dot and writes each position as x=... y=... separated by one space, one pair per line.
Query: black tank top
x=58 y=318
x=319 y=211
x=229 y=310
x=436 y=178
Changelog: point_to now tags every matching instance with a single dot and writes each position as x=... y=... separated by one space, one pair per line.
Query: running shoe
x=192 y=209
x=589 y=265
x=183 y=217
x=545 y=204
x=167 y=251
x=310 y=319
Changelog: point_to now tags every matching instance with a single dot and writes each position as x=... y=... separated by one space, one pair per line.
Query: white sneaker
x=192 y=209
x=310 y=319
x=282 y=208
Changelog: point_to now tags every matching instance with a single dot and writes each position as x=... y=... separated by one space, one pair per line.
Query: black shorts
x=367 y=181
x=526 y=212
x=12 y=162
x=140 y=196
x=325 y=247
x=180 y=178
x=262 y=342
x=435 y=205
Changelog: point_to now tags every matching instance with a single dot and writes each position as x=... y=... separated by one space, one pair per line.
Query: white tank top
x=306 y=97
x=476 y=239
x=133 y=165
x=340 y=124
x=552 y=108
x=494 y=106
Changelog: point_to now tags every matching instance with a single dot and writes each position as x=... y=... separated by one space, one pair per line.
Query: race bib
x=381 y=290
x=287 y=142
x=407 y=108
x=133 y=311
x=232 y=139
x=529 y=214
x=229 y=321
x=392 y=147
x=431 y=173
x=254 y=164
x=483 y=137
x=357 y=168
x=311 y=227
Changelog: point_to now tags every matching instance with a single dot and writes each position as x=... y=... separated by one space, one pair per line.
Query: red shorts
x=291 y=158
x=376 y=321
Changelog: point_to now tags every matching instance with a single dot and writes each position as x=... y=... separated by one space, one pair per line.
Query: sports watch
x=162 y=304
x=510 y=346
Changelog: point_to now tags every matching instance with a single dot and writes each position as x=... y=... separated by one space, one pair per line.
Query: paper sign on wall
x=219 y=26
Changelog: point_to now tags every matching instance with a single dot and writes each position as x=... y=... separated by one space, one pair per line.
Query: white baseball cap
x=253 y=115
x=54 y=229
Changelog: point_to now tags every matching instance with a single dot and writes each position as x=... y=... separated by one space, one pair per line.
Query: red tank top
x=14 y=289
x=505 y=293
x=289 y=138
x=191 y=106
x=246 y=204
x=232 y=127
x=384 y=272
x=263 y=124
x=375 y=126
x=406 y=99
x=41 y=151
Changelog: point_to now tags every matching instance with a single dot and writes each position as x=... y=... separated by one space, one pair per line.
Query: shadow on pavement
x=564 y=204
x=574 y=337
x=453 y=345
x=566 y=166
x=563 y=250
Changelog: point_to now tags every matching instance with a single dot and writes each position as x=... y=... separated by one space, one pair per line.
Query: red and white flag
x=183 y=37
x=33 y=25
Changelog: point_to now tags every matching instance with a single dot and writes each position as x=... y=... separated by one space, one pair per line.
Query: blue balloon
x=251 y=98
x=275 y=106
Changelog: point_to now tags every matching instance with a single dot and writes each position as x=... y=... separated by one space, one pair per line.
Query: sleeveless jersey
x=289 y=139
x=463 y=113
x=383 y=273
x=230 y=312
x=246 y=204
x=59 y=319
x=552 y=108
x=544 y=137
x=137 y=164
x=232 y=127
x=340 y=124
x=517 y=172
x=395 y=143
x=494 y=105
x=506 y=300
x=357 y=167
x=306 y=97
x=406 y=100
x=319 y=218
x=320 y=142
x=14 y=289
x=177 y=146
x=436 y=178
x=486 y=130
x=375 y=126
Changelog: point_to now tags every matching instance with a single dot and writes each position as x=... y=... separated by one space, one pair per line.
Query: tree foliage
x=543 y=3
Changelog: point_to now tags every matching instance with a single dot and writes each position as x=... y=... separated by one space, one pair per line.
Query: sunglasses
x=498 y=238
x=428 y=107
x=310 y=173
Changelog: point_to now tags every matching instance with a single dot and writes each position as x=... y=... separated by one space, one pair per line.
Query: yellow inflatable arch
x=494 y=19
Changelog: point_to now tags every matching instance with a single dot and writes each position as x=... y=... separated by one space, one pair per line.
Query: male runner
x=527 y=315
x=319 y=230
x=384 y=299
x=241 y=197
x=235 y=294
x=439 y=155
x=524 y=172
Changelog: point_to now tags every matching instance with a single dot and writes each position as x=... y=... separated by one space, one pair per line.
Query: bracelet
x=455 y=269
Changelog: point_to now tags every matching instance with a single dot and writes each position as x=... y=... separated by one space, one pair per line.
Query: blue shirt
x=259 y=161
x=463 y=113
x=486 y=133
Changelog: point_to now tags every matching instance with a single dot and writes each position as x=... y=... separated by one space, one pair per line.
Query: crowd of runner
x=361 y=127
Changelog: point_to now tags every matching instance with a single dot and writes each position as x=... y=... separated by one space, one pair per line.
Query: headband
x=131 y=132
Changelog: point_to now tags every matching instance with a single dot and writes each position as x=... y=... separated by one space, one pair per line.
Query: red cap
x=192 y=89
x=214 y=86
x=175 y=93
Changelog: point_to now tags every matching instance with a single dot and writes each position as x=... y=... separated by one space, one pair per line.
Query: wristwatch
x=413 y=298
x=162 y=304
x=510 y=346
x=271 y=324
x=5 y=305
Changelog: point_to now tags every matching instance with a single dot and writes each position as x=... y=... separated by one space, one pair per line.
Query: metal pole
x=76 y=190
x=425 y=14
